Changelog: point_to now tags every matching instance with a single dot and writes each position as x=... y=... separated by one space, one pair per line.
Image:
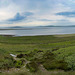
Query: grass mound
x=67 y=54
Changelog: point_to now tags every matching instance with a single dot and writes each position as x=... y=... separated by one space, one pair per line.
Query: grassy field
x=37 y=55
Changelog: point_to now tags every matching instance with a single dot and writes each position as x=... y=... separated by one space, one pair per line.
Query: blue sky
x=37 y=12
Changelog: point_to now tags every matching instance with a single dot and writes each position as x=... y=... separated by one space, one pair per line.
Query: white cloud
x=45 y=9
x=8 y=9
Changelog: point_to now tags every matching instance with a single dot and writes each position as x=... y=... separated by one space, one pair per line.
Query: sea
x=35 y=31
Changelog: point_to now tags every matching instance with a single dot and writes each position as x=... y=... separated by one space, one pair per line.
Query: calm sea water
x=39 y=31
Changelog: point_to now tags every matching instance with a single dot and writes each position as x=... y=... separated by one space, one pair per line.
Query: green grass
x=68 y=55
x=36 y=48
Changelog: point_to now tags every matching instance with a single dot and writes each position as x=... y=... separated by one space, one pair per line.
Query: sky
x=37 y=12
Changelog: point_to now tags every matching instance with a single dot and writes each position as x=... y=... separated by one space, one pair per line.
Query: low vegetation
x=54 y=53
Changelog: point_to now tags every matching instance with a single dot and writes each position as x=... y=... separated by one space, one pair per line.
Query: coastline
x=59 y=35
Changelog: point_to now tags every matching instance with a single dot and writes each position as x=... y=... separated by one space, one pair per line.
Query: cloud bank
x=37 y=12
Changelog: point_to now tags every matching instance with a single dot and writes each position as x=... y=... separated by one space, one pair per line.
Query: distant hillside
x=29 y=27
x=16 y=27
x=58 y=26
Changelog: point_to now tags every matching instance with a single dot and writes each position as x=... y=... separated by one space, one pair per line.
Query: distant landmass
x=15 y=27
x=58 y=26
x=25 y=27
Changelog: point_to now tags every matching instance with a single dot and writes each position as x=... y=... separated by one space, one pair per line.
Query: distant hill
x=30 y=27
x=58 y=26
x=15 y=27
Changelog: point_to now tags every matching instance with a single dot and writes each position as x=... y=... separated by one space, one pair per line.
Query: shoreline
x=11 y=35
